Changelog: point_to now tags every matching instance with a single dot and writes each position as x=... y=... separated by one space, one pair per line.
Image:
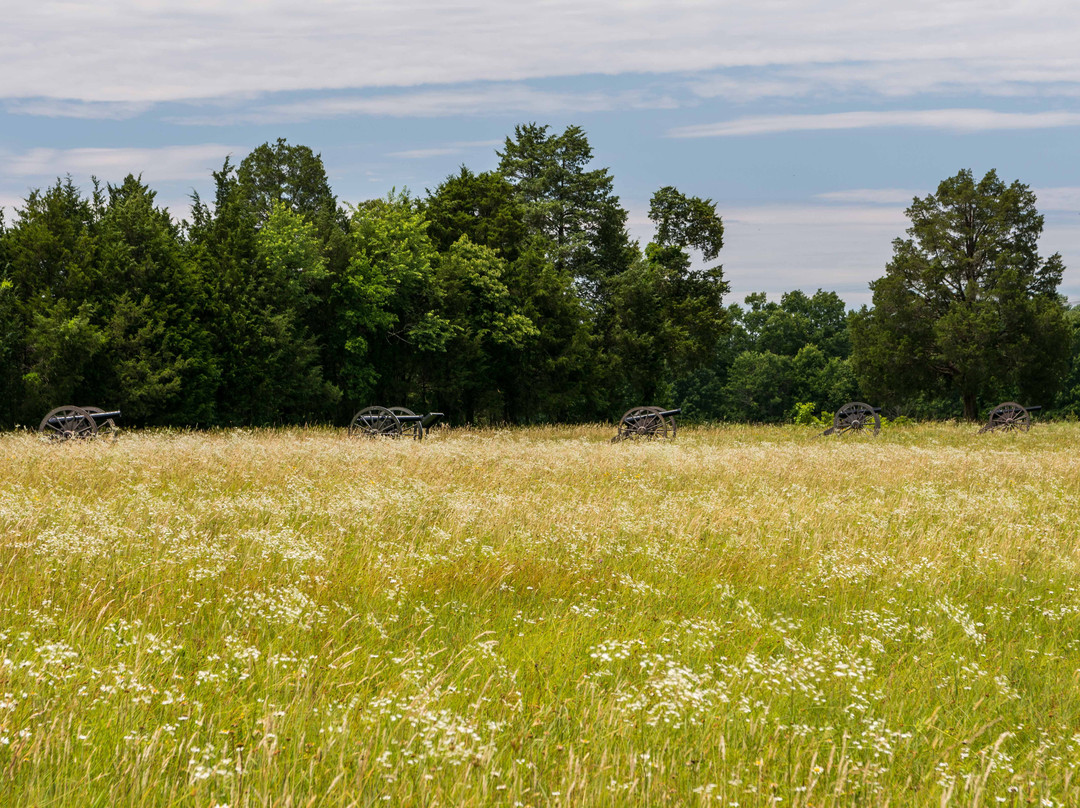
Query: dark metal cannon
x=855 y=417
x=1009 y=416
x=67 y=422
x=647 y=422
x=391 y=422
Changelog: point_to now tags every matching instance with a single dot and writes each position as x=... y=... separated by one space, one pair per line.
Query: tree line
x=509 y=296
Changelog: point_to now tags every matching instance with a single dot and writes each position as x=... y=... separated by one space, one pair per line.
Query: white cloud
x=1063 y=198
x=487 y=100
x=443 y=151
x=958 y=120
x=1022 y=78
x=60 y=108
x=814 y=216
x=422 y=154
x=158 y=50
x=154 y=164
x=873 y=196
x=8 y=204
x=776 y=248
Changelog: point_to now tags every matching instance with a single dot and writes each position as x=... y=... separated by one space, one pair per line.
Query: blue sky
x=811 y=125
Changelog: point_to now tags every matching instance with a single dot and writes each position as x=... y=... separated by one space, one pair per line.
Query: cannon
x=855 y=417
x=646 y=422
x=391 y=422
x=67 y=422
x=1008 y=416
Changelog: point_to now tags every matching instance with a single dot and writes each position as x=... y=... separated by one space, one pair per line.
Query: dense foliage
x=513 y=295
x=967 y=306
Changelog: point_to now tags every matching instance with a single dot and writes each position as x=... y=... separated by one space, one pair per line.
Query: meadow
x=536 y=617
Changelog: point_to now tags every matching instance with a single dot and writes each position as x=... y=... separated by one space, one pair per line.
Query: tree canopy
x=508 y=296
x=967 y=306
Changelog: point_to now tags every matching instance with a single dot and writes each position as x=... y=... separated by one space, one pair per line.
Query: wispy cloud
x=8 y=204
x=154 y=51
x=1060 y=198
x=842 y=247
x=443 y=151
x=873 y=196
x=493 y=99
x=815 y=216
x=889 y=79
x=154 y=164
x=86 y=110
x=957 y=120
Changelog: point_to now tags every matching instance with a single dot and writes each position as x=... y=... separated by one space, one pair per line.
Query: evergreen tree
x=52 y=339
x=966 y=304
x=148 y=297
x=269 y=361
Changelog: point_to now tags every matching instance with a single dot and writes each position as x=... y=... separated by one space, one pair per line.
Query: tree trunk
x=971 y=413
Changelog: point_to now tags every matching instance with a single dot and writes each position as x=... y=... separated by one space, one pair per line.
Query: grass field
x=746 y=616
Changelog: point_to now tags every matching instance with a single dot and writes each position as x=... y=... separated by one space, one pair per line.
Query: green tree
x=385 y=304
x=291 y=175
x=797 y=320
x=148 y=296
x=486 y=329
x=686 y=221
x=967 y=305
x=667 y=315
x=570 y=206
x=51 y=333
x=1068 y=400
x=553 y=378
x=270 y=370
x=483 y=206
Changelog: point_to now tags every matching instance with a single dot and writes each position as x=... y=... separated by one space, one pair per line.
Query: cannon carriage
x=1010 y=416
x=82 y=423
x=391 y=422
x=649 y=423
x=855 y=416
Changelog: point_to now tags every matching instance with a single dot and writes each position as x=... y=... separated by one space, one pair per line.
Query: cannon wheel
x=409 y=429
x=1007 y=417
x=81 y=424
x=653 y=425
x=375 y=422
x=105 y=429
x=855 y=417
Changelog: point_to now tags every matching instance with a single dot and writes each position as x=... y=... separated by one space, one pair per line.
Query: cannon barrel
x=643 y=416
x=60 y=420
x=403 y=419
x=430 y=419
x=425 y=420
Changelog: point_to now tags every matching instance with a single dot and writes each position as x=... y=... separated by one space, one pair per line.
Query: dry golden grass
x=746 y=616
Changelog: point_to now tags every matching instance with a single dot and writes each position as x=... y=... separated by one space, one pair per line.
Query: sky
x=811 y=125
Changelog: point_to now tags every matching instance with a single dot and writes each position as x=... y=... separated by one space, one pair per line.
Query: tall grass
x=746 y=616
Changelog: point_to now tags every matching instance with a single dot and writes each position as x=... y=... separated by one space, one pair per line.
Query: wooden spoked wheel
x=375 y=422
x=1007 y=417
x=856 y=417
x=107 y=429
x=647 y=423
x=68 y=422
x=411 y=428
